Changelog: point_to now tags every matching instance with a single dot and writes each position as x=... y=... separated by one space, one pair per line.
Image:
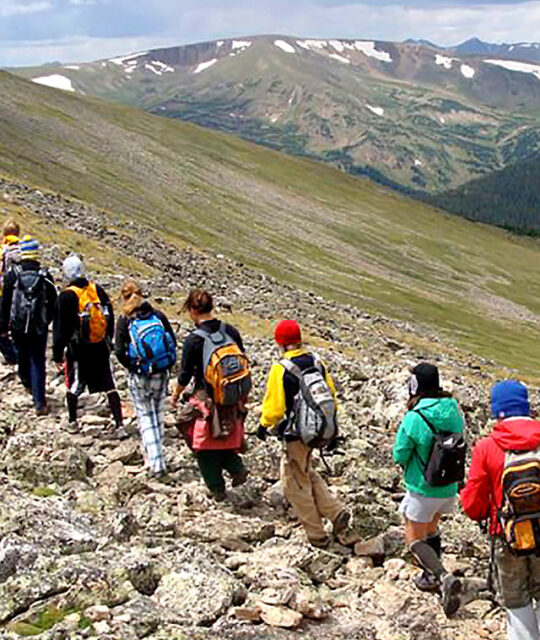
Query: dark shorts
x=90 y=368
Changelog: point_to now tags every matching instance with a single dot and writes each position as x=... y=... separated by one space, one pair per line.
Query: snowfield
x=121 y=61
x=467 y=71
x=511 y=65
x=205 y=65
x=339 y=58
x=284 y=46
x=369 y=49
x=378 y=111
x=240 y=44
x=56 y=81
x=444 y=61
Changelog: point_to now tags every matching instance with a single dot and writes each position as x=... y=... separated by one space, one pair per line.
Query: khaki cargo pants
x=307 y=491
x=518 y=579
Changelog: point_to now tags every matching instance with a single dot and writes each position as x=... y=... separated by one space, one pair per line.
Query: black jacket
x=123 y=339
x=67 y=323
x=192 y=365
x=9 y=286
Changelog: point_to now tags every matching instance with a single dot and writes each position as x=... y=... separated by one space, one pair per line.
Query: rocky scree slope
x=89 y=546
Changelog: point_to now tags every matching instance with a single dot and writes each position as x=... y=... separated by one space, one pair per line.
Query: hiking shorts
x=418 y=508
x=90 y=368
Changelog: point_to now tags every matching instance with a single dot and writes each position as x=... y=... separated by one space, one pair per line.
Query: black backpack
x=28 y=314
x=446 y=463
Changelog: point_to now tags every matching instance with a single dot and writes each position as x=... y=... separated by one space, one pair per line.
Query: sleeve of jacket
x=274 y=406
x=65 y=323
x=330 y=383
x=51 y=297
x=186 y=370
x=121 y=342
x=476 y=495
x=7 y=297
x=106 y=302
x=404 y=444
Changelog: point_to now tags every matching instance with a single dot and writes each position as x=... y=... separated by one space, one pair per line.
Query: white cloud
x=160 y=23
x=10 y=8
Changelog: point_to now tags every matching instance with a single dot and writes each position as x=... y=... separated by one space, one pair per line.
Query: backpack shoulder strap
x=431 y=427
x=292 y=368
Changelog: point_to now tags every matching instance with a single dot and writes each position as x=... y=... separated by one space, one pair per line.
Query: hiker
x=503 y=487
x=9 y=255
x=432 y=488
x=146 y=345
x=82 y=332
x=213 y=356
x=28 y=303
x=302 y=485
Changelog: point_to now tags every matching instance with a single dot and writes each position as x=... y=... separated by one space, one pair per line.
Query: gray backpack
x=313 y=419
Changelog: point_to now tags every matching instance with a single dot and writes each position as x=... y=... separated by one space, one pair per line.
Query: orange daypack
x=226 y=368
x=93 y=316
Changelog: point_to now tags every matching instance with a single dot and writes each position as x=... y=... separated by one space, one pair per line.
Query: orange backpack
x=226 y=368
x=94 y=318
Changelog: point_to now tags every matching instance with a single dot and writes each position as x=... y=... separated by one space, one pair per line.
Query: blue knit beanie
x=509 y=398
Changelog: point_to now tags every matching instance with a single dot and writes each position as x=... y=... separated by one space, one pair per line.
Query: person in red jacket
x=518 y=578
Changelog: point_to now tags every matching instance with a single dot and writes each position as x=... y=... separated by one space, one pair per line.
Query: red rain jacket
x=482 y=495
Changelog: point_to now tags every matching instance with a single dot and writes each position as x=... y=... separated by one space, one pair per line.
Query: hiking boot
x=239 y=478
x=427 y=582
x=341 y=523
x=321 y=543
x=219 y=495
x=121 y=433
x=72 y=427
x=158 y=476
x=451 y=589
x=42 y=411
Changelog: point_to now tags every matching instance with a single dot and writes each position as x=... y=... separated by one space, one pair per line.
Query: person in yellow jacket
x=9 y=255
x=303 y=487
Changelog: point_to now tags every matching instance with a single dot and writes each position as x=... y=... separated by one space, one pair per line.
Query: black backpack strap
x=431 y=427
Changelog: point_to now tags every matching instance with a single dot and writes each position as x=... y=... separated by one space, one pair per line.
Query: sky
x=34 y=32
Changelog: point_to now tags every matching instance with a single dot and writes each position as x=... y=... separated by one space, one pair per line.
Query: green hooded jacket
x=414 y=440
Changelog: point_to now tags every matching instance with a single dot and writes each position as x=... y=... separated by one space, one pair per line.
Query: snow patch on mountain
x=467 y=71
x=284 y=46
x=56 y=81
x=444 y=61
x=205 y=65
x=378 y=111
x=369 y=49
x=512 y=65
x=312 y=44
x=128 y=59
x=161 y=67
x=338 y=45
x=240 y=44
x=339 y=58
x=75 y=67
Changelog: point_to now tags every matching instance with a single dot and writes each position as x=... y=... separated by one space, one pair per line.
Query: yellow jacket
x=274 y=406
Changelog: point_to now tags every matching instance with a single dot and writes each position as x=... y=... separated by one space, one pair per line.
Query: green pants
x=212 y=463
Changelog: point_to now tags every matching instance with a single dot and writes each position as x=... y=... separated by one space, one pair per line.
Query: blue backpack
x=152 y=348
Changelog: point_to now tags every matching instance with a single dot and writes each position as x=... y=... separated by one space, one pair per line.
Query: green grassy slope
x=298 y=220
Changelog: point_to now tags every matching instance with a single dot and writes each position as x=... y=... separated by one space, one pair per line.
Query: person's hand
x=60 y=366
x=262 y=433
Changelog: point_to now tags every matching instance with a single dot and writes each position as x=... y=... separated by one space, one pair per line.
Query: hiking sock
x=116 y=407
x=428 y=558
x=434 y=541
x=72 y=402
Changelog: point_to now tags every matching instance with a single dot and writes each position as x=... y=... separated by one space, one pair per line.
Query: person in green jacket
x=423 y=504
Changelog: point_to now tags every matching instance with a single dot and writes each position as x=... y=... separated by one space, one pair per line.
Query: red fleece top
x=482 y=495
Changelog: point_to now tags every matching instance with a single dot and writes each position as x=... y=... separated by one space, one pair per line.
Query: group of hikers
x=299 y=407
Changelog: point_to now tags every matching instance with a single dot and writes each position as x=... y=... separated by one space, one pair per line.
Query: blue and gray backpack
x=152 y=348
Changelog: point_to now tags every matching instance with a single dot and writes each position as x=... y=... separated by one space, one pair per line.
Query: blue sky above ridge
x=39 y=31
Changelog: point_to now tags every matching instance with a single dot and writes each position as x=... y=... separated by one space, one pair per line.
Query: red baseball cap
x=288 y=332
